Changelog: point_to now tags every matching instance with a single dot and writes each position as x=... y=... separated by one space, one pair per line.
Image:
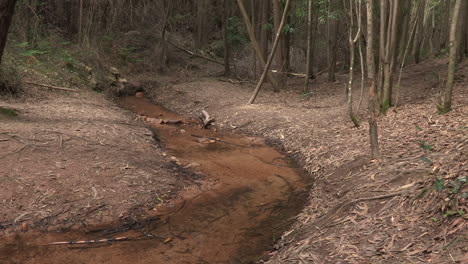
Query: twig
x=53 y=87
x=93 y=241
x=195 y=54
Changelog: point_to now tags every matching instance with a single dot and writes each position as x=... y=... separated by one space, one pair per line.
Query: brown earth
x=359 y=211
x=245 y=202
x=76 y=162
x=71 y=160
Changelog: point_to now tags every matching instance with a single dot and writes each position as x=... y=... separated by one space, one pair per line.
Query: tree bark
x=453 y=45
x=309 y=71
x=390 y=58
x=263 y=32
x=7 y=9
x=373 y=129
x=270 y=58
x=225 y=38
x=280 y=56
x=255 y=43
x=352 y=40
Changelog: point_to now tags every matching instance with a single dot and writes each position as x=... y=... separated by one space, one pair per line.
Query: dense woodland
x=288 y=37
x=267 y=42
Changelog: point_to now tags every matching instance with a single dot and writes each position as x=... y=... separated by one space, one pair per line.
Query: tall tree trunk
x=254 y=24
x=280 y=57
x=202 y=16
x=420 y=29
x=265 y=4
x=352 y=40
x=251 y=33
x=373 y=130
x=309 y=71
x=446 y=105
x=382 y=46
x=225 y=37
x=7 y=9
x=391 y=57
x=332 y=39
x=270 y=58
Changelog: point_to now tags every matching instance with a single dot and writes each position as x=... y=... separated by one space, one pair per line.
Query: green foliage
x=439 y=185
x=425 y=146
x=130 y=54
x=426 y=160
x=8 y=113
x=419 y=128
x=236 y=33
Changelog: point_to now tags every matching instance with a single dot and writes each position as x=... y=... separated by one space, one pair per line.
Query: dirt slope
x=71 y=160
x=359 y=211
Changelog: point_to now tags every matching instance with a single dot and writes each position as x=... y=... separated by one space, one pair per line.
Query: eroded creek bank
x=246 y=201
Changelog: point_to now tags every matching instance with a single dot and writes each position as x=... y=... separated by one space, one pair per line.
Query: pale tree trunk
x=225 y=37
x=255 y=45
x=7 y=9
x=444 y=32
x=352 y=41
x=270 y=58
x=309 y=72
x=382 y=43
x=373 y=130
x=446 y=105
x=416 y=22
x=390 y=57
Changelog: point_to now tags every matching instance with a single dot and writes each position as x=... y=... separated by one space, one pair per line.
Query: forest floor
x=75 y=160
x=359 y=210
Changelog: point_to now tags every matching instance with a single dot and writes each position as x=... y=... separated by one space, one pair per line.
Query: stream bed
x=249 y=195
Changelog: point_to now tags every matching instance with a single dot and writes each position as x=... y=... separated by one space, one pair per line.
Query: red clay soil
x=359 y=211
x=245 y=202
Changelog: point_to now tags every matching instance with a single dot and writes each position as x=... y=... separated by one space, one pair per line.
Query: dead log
x=205 y=119
x=53 y=87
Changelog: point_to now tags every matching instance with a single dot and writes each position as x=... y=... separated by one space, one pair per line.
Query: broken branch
x=53 y=87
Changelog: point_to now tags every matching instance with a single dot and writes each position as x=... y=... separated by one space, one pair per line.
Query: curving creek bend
x=249 y=195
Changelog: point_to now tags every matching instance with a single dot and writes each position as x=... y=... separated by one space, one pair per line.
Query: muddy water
x=248 y=197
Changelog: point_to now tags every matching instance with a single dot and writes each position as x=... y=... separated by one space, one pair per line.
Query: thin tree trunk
x=7 y=9
x=263 y=32
x=280 y=56
x=416 y=23
x=309 y=71
x=255 y=43
x=254 y=23
x=352 y=40
x=453 y=45
x=270 y=58
x=382 y=46
x=225 y=38
x=373 y=129
x=390 y=60
x=419 y=34
x=80 y=23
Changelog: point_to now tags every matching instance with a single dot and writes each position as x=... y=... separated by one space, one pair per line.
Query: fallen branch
x=195 y=54
x=53 y=87
x=93 y=241
x=290 y=73
x=205 y=119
